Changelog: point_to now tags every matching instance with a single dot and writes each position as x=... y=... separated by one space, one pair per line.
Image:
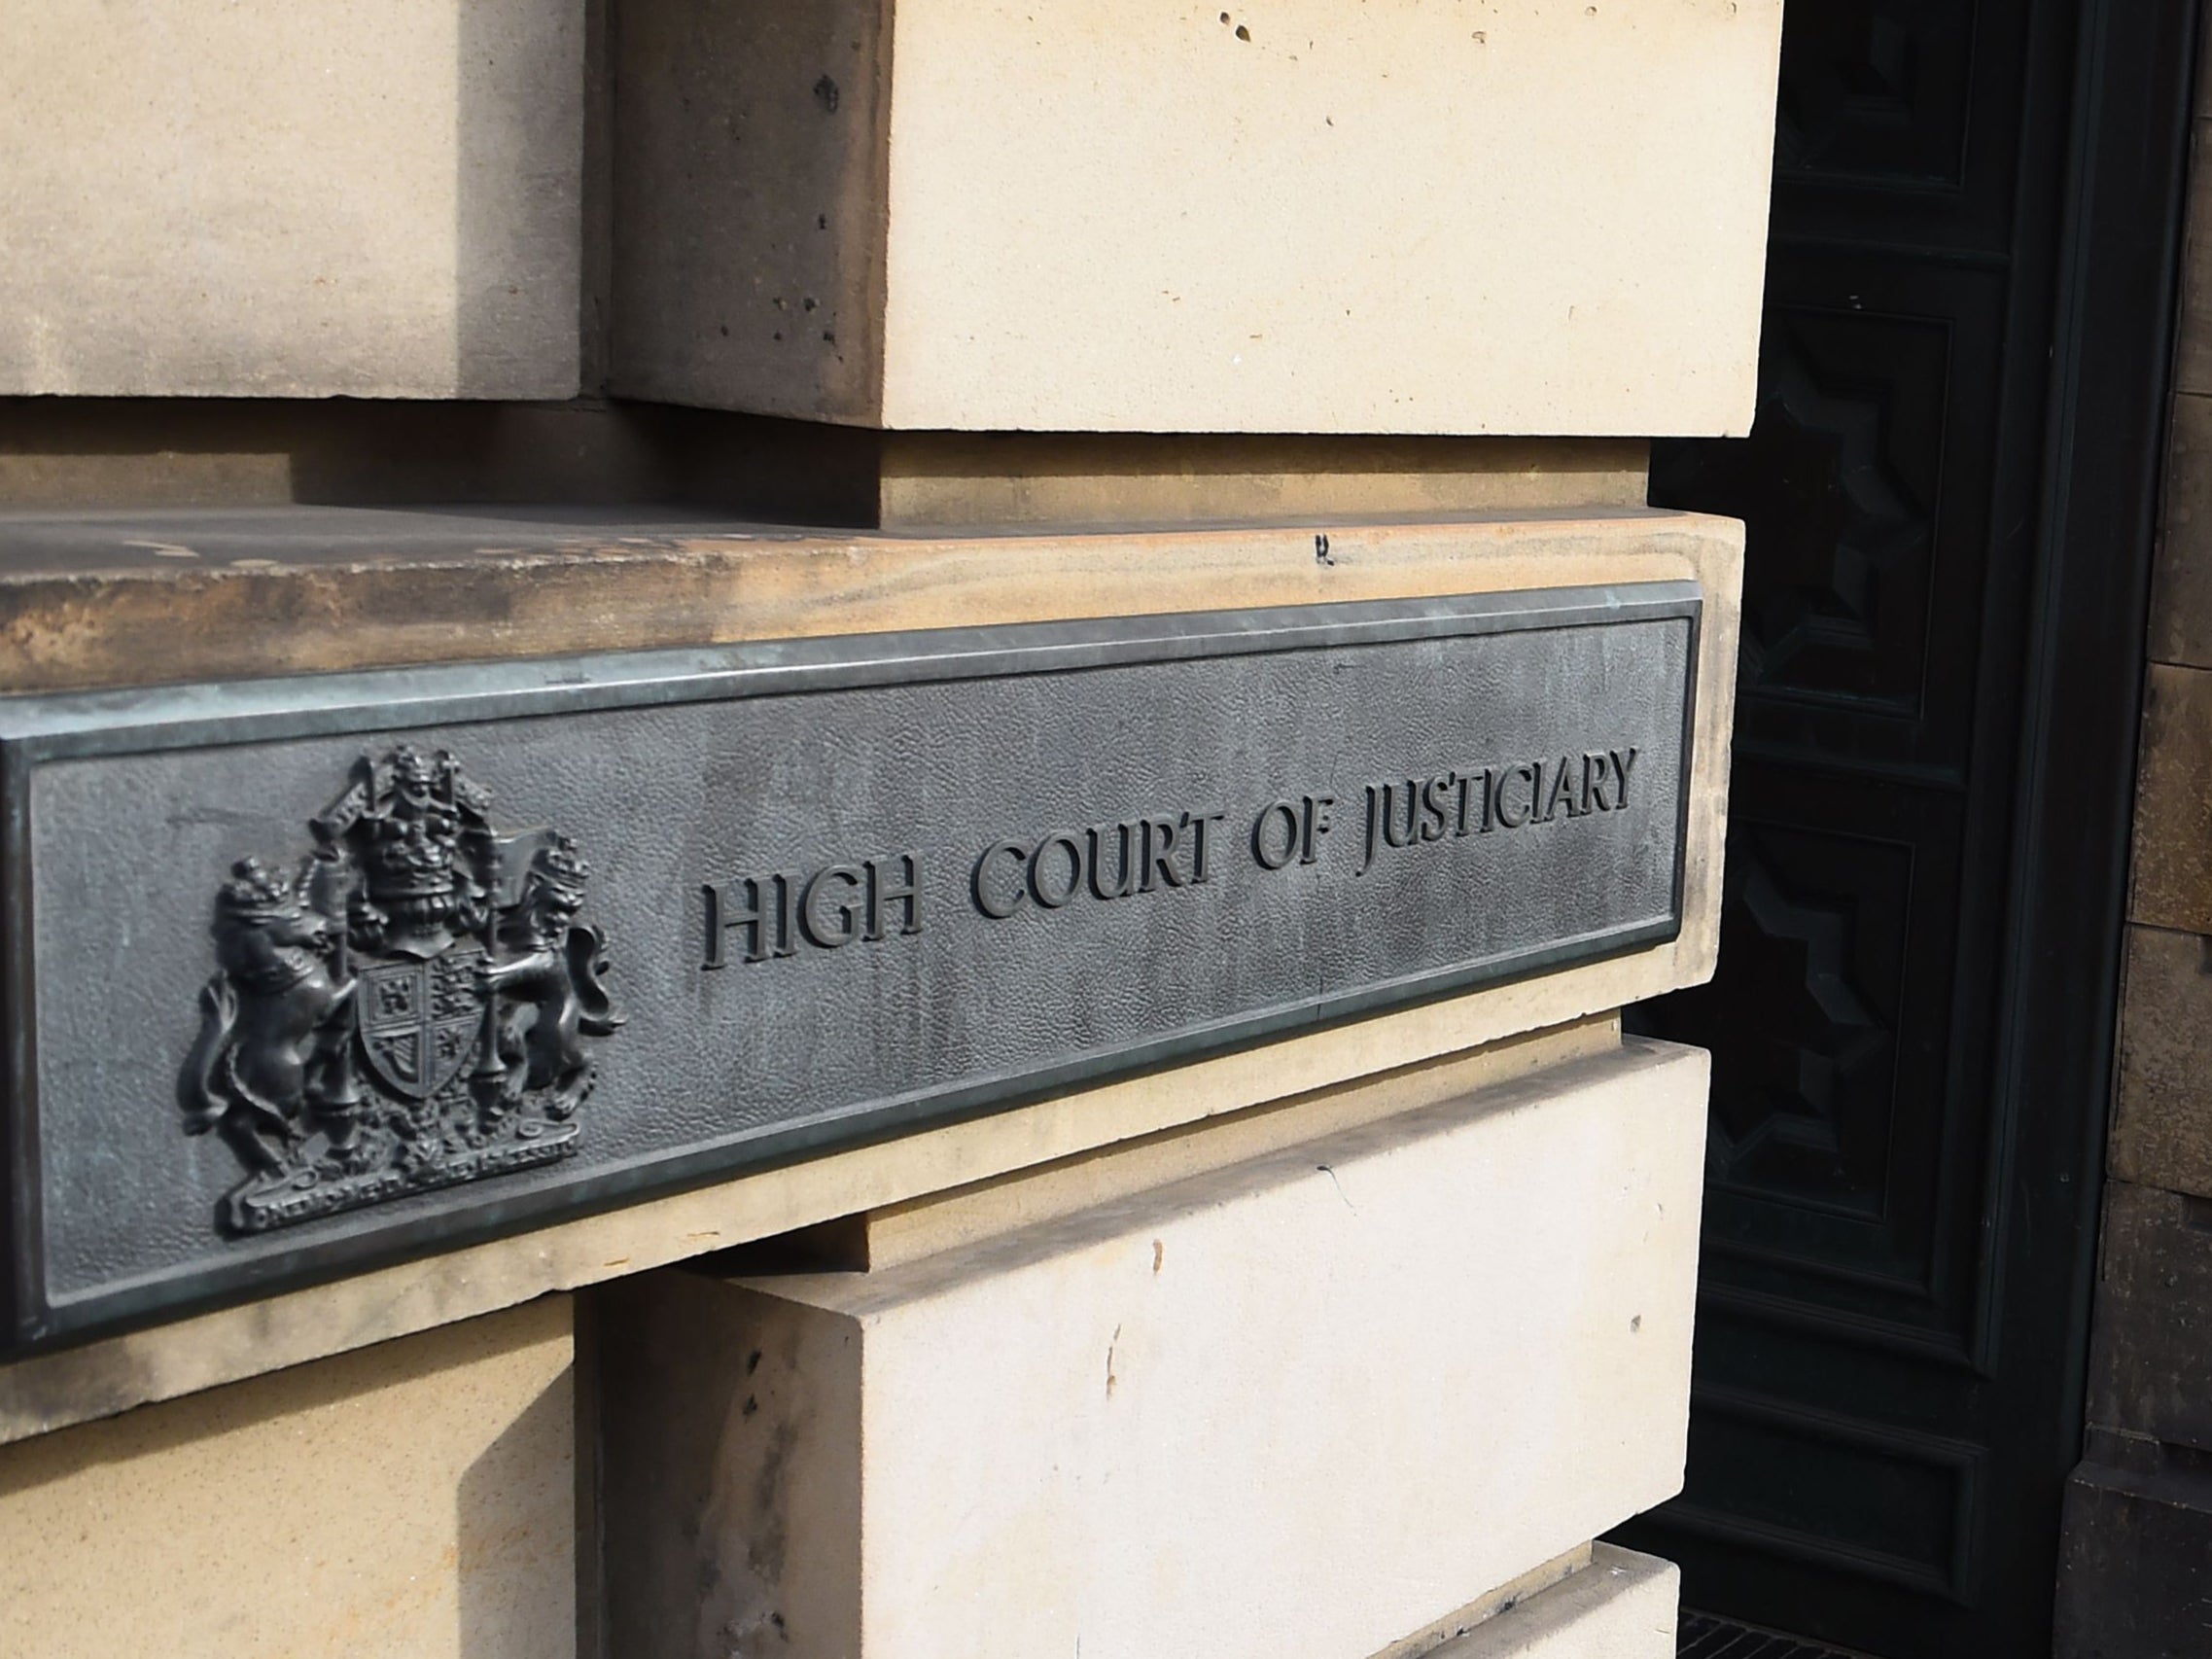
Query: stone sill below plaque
x=184 y=596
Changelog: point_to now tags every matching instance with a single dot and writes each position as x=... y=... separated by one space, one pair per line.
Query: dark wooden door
x=1949 y=494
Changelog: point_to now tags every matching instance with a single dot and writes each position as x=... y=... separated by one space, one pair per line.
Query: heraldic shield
x=412 y=1007
x=420 y=1021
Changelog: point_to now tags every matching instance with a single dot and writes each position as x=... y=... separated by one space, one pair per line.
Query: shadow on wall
x=520 y=113
x=514 y=1570
x=117 y=455
x=307 y=1510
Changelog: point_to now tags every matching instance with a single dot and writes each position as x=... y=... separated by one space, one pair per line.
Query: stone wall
x=1109 y=309
x=2138 y=1533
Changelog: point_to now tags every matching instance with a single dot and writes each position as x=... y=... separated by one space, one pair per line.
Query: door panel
x=1973 y=203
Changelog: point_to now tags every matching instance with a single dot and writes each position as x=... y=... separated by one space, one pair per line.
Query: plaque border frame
x=44 y=726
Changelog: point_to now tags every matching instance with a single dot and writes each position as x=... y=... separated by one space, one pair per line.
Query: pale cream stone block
x=1622 y=1605
x=222 y=198
x=965 y=1215
x=1299 y=1406
x=1154 y=215
x=414 y=1498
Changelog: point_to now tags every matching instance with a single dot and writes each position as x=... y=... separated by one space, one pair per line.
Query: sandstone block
x=2161 y=1125
x=417 y=1498
x=1143 y=215
x=2173 y=803
x=2192 y=346
x=2181 y=583
x=2182 y=577
x=1306 y=1404
x=232 y=197
x=2154 y=1317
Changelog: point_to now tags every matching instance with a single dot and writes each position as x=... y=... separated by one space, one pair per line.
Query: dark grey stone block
x=2148 y=1369
x=2161 y=1128
x=2135 y=1567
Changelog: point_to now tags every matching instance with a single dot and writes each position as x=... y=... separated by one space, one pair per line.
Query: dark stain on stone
x=764 y=1550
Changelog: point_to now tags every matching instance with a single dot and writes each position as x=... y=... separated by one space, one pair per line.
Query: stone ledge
x=168 y=595
x=1622 y=1605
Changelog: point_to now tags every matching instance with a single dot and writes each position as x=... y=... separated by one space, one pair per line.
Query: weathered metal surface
x=307 y=974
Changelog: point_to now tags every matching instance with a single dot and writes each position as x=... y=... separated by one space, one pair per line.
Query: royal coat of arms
x=409 y=1006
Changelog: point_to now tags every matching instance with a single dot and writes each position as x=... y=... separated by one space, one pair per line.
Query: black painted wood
x=1949 y=494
